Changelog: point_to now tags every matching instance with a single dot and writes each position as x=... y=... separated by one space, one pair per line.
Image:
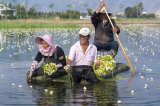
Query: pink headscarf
x=49 y=40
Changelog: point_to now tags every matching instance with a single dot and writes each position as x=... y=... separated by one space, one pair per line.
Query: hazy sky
x=112 y=5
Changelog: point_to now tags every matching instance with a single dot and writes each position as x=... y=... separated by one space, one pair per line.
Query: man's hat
x=103 y=12
x=84 y=31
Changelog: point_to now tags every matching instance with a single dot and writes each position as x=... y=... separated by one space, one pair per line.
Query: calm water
x=141 y=43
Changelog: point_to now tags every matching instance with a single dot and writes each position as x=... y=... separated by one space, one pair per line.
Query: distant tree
x=128 y=11
x=89 y=11
x=36 y=8
x=121 y=7
x=140 y=7
x=69 y=6
x=85 y=5
x=26 y=7
x=32 y=12
x=19 y=9
x=15 y=2
x=133 y=12
x=51 y=6
x=11 y=11
x=2 y=12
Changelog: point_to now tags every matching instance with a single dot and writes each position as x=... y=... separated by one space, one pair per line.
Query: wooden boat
x=120 y=67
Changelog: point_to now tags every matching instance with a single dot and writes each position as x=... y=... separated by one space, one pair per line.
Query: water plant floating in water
x=118 y=101
x=84 y=88
x=51 y=93
x=145 y=86
x=31 y=86
x=13 y=84
x=20 y=86
x=132 y=91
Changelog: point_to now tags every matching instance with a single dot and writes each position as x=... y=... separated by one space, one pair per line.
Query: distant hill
x=112 y=5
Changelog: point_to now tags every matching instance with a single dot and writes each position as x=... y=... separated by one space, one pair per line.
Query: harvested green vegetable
x=107 y=64
x=50 y=68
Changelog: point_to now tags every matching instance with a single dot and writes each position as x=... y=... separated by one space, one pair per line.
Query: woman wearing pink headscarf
x=51 y=53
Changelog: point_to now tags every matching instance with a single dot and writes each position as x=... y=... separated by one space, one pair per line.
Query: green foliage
x=89 y=12
x=107 y=64
x=68 y=14
x=133 y=12
x=148 y=16
x=50 y=68
x=36 y=25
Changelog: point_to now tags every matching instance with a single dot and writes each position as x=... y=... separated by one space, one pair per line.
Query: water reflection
x=3 y=38
x=103 y=93
x=49 y=93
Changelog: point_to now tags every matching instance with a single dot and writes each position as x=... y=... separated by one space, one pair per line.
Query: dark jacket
x=59 y=54
x=103 y=32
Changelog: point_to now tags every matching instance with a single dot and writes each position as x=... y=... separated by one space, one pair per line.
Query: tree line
x=23 y=12
x=136 y=11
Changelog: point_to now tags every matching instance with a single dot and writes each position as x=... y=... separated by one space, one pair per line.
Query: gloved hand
x=59 y=65
x=29 y=76
x=33 y=67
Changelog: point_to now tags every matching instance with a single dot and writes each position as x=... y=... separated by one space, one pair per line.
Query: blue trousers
x=108 y=46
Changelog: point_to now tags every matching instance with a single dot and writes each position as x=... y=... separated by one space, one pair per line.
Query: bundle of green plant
x=67 y=56
x=67 y=67
x=107 y=64
x=50 y=68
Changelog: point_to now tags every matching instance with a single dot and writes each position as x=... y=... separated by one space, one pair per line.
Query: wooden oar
x=118 y=39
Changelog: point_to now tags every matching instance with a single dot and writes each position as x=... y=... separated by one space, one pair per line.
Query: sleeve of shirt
x=38 y=57
x=95 y=56
x=61 y=56
x=72 y=53
x=94 y=19
x=108 y=27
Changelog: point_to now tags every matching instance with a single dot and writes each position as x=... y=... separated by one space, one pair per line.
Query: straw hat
x=103 y=12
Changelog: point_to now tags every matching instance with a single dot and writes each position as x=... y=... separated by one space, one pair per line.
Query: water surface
x=18 y=50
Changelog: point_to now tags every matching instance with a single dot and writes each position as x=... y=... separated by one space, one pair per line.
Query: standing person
x=104 y=38
x=51 y=53
x=81 y=57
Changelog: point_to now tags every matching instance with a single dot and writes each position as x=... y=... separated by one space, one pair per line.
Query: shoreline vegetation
x=44 y=23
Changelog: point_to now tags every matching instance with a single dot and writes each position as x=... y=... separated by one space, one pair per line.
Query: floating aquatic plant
x=84 y=88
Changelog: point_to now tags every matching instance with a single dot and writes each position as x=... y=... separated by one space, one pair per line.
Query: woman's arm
x=34 y=65
x=61 y=56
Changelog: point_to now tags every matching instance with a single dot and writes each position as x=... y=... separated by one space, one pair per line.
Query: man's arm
x=116 y=28
x=108 y=27
x=94 y=17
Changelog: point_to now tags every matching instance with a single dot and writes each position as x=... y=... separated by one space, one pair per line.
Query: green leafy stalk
x=50 y=68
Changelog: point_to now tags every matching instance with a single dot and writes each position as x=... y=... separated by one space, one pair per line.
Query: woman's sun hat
x=47 y=38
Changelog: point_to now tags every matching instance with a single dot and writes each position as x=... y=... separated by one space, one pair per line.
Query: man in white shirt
x=81 y=57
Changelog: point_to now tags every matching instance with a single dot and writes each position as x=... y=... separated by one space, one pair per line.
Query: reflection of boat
x=120 y=67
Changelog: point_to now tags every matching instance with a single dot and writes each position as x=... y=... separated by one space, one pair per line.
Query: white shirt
x=77 y=56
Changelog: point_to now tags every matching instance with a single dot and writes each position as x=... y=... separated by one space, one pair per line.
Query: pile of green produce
x=50 y=68
x=107 y=64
